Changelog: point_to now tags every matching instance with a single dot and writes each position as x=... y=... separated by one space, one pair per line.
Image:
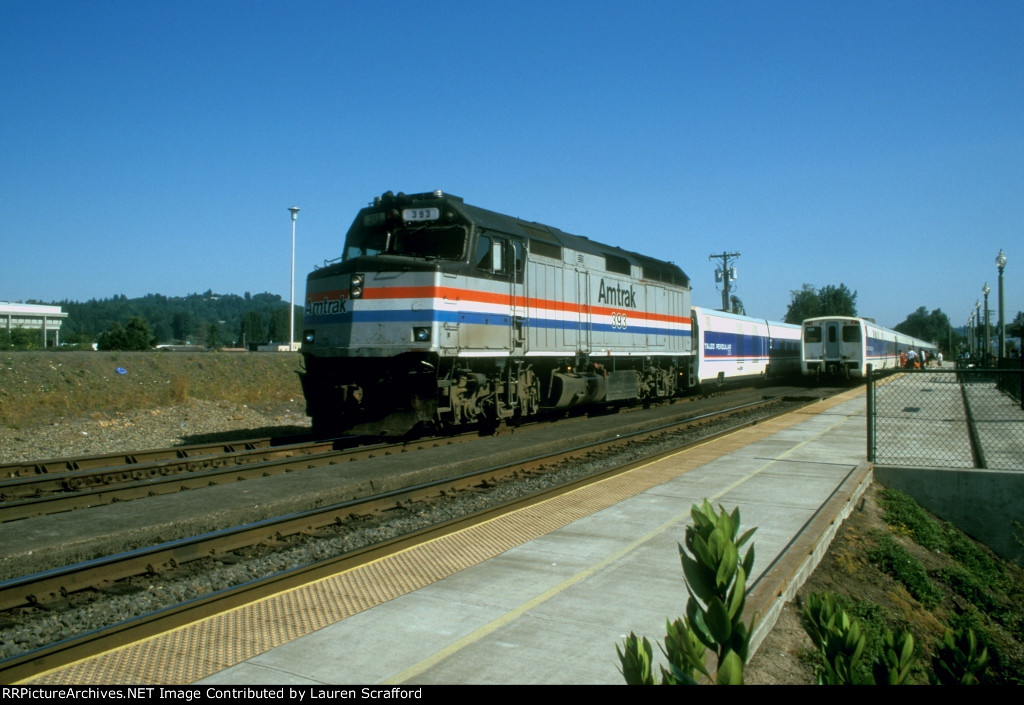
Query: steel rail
x=57 y=583
x=86 y=462
x=62 y=580
x=39 y=495
x=171 y=470
x=24 y=486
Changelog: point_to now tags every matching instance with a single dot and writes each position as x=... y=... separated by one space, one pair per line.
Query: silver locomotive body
x=443 y=313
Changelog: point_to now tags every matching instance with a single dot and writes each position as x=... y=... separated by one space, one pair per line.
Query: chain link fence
x=946 y=417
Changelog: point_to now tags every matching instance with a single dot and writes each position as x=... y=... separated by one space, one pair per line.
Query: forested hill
x=200 y=319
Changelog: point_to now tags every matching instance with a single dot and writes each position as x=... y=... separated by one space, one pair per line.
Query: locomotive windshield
x=376 y=234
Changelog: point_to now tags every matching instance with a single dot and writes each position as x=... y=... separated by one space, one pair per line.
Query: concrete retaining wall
x=983 y=503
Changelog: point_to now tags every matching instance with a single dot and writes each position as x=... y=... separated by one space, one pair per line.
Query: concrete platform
x=552 y=609
x=922 y=420
x=1000 y=427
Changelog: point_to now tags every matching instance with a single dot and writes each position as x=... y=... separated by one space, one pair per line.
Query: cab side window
x=483 y=253
x=492 y=254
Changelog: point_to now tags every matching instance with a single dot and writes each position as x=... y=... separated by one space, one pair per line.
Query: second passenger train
x=844 y=346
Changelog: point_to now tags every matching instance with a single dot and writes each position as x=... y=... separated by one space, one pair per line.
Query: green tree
x=134 y=336
x=831 y=300
x=932 y=326
x=802 y=305
x=19 y=339
x=113 y=338
x=181 y=325
x=1014 y=328
x=837 y=301
x=173 y=317
x=254 y=329
x=279 y=325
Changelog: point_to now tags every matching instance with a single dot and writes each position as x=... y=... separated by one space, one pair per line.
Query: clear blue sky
x=154 y=147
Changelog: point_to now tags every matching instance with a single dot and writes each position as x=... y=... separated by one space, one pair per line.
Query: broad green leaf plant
x=716 y=577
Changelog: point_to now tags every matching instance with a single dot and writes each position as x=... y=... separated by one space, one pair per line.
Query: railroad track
x=86 y=462
x=52 y=486
x=60 y=584
x=95 y=484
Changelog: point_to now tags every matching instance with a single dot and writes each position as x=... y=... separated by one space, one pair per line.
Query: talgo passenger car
x=843 y=346
x=740 y=348
x=440 y=312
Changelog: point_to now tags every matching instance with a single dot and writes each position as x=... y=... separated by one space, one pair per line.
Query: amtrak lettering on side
x=325 y=307
x=616 y=296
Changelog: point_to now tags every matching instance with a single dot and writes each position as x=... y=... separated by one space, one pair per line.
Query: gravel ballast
x=27 y=628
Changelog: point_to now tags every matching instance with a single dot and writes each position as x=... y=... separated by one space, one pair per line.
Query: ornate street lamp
x=977 y=331
x=988 y=333
x=291 y=309
x=1001 y=263
x=970 y=335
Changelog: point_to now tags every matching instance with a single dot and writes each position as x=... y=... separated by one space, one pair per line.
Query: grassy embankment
x=905 y=569
x=42 y=387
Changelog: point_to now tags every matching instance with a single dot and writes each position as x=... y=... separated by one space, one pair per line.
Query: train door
x=657 y=298
x=582 y=316
x=740 y=351
x=833 y=346
x=487 y=323
x=518 y=287
x=543 y=287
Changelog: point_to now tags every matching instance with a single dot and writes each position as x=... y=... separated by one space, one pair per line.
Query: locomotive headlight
x=355 y=286
x=421 y=335
x=308 y=337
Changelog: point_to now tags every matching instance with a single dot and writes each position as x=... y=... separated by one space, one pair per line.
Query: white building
x=33 y=317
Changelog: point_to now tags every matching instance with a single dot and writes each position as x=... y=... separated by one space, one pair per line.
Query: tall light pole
x=1001 y=263
x=977 y=328
x=988 y=332
x=291 y=308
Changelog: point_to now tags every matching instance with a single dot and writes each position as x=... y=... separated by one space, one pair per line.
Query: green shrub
x=970 y=556
x=894 y=559
x=906 y=516
x=968 y=586
x=716 y=576
x=960 y=659
x=841 y=644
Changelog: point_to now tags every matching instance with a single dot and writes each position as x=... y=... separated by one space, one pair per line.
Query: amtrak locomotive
x=442 y=313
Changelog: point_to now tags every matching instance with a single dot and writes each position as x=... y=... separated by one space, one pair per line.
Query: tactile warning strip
x=196 y=651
